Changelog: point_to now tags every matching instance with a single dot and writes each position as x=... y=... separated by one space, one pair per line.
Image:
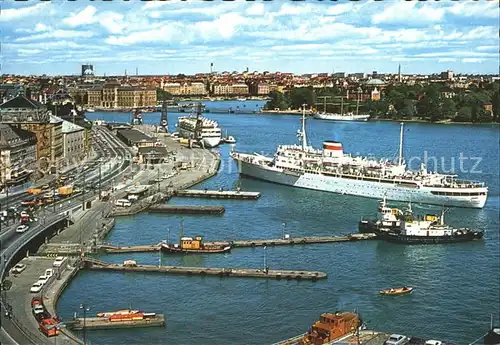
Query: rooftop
x=135 y=136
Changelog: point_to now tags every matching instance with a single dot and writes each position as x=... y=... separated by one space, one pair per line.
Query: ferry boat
x=329 y=328
x=430 y=230
x=200 y=128
x=333 y=171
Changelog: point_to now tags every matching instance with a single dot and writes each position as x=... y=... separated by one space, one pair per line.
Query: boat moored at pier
x=333 y=171
x=329 y=328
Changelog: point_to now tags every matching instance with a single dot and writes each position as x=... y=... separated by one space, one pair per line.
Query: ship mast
x=304 y=140
x=400 y=162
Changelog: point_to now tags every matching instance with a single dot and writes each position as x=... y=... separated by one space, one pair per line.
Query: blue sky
x=171 y=37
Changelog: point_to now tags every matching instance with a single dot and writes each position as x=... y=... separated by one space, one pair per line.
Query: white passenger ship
x=210 y=132
x=331 y=170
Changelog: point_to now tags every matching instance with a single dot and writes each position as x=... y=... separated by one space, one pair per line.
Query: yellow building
x=113 y=95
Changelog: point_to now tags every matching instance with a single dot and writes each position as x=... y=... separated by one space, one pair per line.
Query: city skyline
x=173 y=37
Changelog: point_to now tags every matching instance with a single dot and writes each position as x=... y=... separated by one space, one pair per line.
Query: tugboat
x=430 y=230
x=329 y=327
x=390 y=218
x=189 y=245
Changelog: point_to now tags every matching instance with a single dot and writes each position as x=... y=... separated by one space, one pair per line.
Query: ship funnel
x=332 y=149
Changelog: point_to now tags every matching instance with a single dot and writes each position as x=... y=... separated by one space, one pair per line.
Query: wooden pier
x=248 y=243
x=218 y=194
x=104 y=323
x=208 y=271
x=184 y=209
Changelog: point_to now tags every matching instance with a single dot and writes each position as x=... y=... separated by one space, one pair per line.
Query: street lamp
x=85 y=310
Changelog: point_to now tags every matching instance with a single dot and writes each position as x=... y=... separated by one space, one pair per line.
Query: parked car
x=36 y=301
x=49 y=272
x=19 y=268
x=22 y=228
x=58 y=262
x=36 y=287
x=38 y=309
x=43 y=279
x=396 y=339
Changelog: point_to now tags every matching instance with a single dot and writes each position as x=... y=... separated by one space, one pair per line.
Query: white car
x=49 y=272
x=58 y=261
x=19 y=268
x=43 y=279
x=38 y=309
x=36 y=287
x=22 y=228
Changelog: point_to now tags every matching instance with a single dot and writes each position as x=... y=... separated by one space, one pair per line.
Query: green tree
x=277 y=101
x=448 y=108
x=301 y=95
x=464 y=114
x=162 y=93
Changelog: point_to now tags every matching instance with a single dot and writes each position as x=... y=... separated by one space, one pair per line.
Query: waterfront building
x=17 y=154
x=135 y=139
x=114 y=95
x=73 y=142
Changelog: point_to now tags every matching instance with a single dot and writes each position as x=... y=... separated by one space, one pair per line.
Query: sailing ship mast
x=303 y=134
x=400 y=161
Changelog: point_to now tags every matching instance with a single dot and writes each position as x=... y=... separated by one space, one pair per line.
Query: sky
x=311 y=36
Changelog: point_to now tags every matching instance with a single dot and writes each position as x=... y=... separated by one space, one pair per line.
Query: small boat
x=118 y=312
x=397 y=291
x=230 y=140
x=189 y=245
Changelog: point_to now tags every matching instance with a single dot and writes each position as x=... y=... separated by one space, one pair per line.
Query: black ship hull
x=492 y=337
x=372 y=226
x=405 y=239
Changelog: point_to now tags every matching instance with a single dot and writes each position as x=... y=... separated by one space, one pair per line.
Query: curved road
x=117 y=157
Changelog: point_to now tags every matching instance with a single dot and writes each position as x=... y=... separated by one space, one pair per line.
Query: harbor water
x=456 y=286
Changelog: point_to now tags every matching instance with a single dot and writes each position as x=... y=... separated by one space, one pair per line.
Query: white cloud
x=337 y=9
x=10 y=14
x=56 y=34
x=447 y=60
x=481 y=9
x=483 y=48
x=41 y=27
x=256 y=9
x=84 y=17
x=409 y=12
x=28 y=51
x=472 y=60
x=113 y=22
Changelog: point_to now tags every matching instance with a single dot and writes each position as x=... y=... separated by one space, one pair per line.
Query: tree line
x=432 y=102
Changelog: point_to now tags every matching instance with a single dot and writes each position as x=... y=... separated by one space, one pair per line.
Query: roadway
x=113 y=159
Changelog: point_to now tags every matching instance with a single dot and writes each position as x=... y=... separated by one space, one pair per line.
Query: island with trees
x=433 y=102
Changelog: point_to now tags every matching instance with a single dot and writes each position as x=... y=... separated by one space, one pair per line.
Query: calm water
x=456 y=286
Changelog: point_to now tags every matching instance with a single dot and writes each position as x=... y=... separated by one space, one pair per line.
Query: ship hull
x=368 y=189
x=405 y=239
x=207 y=141
x=338 y=117
x=215 y=250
